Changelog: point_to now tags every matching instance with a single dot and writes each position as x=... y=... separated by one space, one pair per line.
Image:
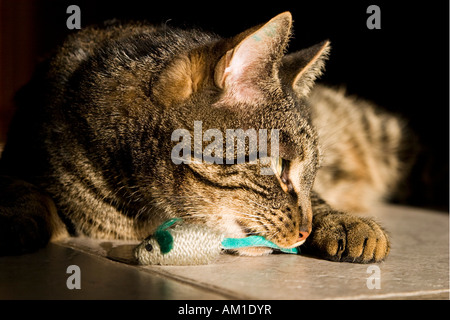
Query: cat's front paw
x=343 y=237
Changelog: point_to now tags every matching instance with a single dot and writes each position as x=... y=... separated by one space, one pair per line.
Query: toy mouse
x=178 y=243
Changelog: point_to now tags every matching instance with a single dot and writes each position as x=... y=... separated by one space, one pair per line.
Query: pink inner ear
x=245 y=69
x=244 y=60
x=253 y=57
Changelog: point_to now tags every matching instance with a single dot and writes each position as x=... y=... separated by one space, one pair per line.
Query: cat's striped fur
x=366 y=151
x=93 y=133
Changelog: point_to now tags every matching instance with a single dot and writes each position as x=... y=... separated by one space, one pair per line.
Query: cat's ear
x=254 y=58
x=300 y=69
x=182 y=77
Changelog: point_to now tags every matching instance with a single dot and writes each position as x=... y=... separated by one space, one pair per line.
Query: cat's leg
x=28 y=218
x=339 y=236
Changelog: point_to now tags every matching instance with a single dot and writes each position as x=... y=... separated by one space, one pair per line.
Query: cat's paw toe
x=349 y=238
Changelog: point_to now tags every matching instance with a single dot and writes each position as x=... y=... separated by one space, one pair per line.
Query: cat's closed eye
x=280 y=165
x=282 y=171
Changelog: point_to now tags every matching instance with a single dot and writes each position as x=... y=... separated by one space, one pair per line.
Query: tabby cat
x=89 y=149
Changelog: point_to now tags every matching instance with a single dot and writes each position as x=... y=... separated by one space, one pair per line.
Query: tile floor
x=417 y=268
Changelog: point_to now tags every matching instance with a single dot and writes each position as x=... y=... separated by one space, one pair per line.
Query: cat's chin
x=253 y=252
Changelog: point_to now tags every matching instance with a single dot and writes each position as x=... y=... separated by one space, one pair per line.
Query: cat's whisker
x=259 y=204
x=249 y=215
x=272 y=236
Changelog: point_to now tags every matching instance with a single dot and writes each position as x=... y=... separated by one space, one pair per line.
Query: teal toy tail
x=254 y=241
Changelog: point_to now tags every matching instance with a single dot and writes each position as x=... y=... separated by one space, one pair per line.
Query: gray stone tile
x=43 y=275
x=417 y=268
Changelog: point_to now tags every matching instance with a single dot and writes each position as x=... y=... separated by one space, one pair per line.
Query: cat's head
x=247 y=82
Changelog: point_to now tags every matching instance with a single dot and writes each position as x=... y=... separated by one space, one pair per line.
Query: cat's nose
x=302 y=235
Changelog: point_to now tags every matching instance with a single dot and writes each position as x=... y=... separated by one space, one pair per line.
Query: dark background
x=403 y=67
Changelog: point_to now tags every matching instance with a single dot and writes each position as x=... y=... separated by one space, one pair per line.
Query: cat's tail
x=28 y=217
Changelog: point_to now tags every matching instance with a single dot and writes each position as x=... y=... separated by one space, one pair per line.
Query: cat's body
x=366 y=151
x=93 y=131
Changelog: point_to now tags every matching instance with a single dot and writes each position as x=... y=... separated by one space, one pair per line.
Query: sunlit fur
x=94 y=127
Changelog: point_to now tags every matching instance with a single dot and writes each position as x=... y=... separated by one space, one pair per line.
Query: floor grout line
x=228 y=294
x=162 y=273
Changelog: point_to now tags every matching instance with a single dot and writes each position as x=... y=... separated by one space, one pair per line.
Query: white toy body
x=192 y=245
x=178 y=243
